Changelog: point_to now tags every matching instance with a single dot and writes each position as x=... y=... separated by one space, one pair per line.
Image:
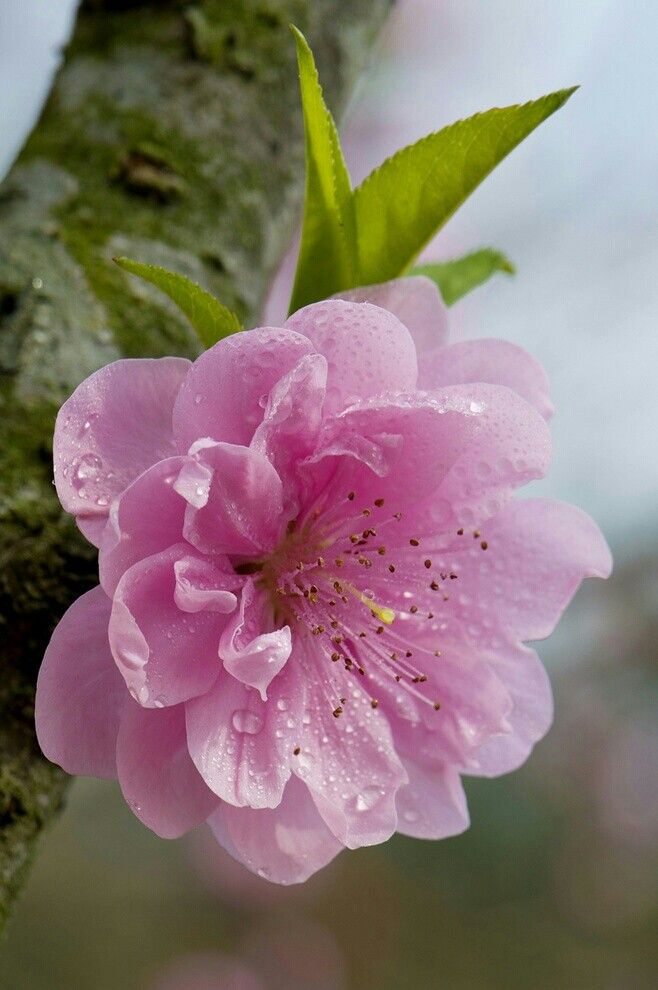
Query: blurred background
x=555 y=884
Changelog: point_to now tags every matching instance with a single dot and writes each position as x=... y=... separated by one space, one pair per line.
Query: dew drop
x=367 y=799
x=248 y=722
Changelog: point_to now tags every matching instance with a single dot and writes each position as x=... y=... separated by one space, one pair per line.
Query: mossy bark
x=173 y=135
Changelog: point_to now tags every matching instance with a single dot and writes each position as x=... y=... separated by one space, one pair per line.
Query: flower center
x=348 y=577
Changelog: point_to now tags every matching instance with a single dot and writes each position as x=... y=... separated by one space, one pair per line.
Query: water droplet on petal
x=368 y=798
x=248 y=722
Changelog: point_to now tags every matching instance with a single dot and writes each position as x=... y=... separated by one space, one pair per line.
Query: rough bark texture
x=173 y=135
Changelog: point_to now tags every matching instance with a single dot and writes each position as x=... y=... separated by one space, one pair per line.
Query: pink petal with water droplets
x=157 y=777
x=292 y=421
x=165 y=655
x=235 y=499
x=224 y=395
x=433 y=804
x=80 y=693
x=116 y=424
x=201 y=586
x=540 y=551
x=241 y=745
x=524 y=676
x=349 y=762
x=496 y=362
x=250 y=655
x=416 y=301
x=368 y=350
x=146 y=518
x=286 y=844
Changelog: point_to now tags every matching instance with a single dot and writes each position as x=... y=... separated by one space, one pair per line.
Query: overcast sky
x=575 y=207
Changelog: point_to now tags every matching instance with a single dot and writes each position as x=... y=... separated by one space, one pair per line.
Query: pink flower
x=315 y=584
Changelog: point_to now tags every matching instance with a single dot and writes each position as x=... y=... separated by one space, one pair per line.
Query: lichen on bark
x=172 y=134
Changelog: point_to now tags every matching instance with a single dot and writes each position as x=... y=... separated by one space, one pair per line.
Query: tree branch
x=173 y=135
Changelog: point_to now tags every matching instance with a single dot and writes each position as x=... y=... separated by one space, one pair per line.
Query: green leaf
x=403 y=203
x=457 y=277
x=208 y=316
x=327 y=254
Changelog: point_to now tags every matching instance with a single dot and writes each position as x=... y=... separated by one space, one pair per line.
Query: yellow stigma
x=383 y=613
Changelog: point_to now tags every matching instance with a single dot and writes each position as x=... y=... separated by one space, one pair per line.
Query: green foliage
x=327 y=255
x=457 y=277
x=403 y=203
x=208 y=316
x=374 y=233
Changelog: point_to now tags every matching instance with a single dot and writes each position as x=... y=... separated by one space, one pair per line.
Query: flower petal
x=80 y=693
x=157 y=776
x=510 y=446
x=292 y=421
x=349 y=763
x=201 y=586
x=241 y=746
x=165 y=655
x=368 y=350
x=250 y=655
x=376 y=446
x=416 y=301
x=538 y=552
x=286 y=844
x=146 y=518
x=221 y=396
x=531 y=716
x=235 y=499
x=116 y=424
x=496 y=362
x=433 y=804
